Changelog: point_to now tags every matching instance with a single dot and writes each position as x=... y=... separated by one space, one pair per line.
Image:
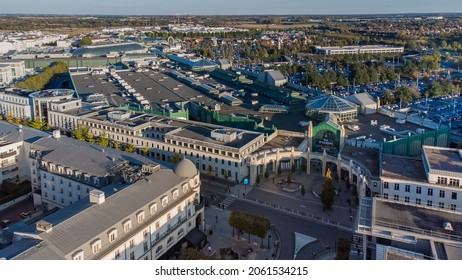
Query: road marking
x=227 y=201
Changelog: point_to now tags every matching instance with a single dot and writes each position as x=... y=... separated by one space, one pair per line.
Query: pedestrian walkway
x=270 y=193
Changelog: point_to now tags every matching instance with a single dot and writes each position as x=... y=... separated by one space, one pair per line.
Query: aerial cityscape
x=213 y=131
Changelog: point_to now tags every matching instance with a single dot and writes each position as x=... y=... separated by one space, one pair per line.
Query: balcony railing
x=432 y=233
x=6 y=155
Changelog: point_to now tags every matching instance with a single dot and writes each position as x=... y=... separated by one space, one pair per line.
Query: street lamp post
x=269 y=238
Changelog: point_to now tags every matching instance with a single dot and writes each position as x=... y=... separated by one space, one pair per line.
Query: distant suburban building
x=223 y=63
x=353 y=50
x=367 y=104
x=6 y=76
x=109 y=50
x=11 y=70
x=273 y=77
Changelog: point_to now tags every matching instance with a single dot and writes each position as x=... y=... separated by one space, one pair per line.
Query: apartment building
x=148 y=217
x=64 y=170
x=15 y=143
x=16 y=68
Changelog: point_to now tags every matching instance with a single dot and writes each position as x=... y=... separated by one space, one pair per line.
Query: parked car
x=25 y=214
x=5 y=223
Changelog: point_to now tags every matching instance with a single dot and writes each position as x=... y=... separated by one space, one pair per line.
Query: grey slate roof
x=10 y=132
x=88 y=221
x=88 y=158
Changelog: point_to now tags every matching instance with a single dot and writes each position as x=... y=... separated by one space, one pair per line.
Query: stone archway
x=315 y=165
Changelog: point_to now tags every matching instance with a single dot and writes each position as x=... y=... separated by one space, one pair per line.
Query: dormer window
x=175 y=194
x=164 y=201
x=112 y=235
x=140 y=216
x=127 y=225
x=153 y=208
x=78 y=255
x=96 y=246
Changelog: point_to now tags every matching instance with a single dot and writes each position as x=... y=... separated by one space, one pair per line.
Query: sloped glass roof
x=105 y=49
x=330 y=103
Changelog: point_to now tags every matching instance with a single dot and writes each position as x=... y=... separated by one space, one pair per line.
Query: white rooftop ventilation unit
x=97 y=197
x=448 y=227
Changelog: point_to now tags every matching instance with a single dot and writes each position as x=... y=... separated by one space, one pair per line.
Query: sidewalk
x=220 y=235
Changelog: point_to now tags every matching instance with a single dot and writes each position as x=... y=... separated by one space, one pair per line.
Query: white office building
x=355 y=50
x=418 y=213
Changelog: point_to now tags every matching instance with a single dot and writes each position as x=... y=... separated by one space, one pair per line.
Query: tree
x=85 y=41
x=343 y=249
x=176 y=158
x=130 y=148
x=81 y=132
x=37 y=124
x=388 y=97
x=90 y=137
x=249 y=223
x=104 y=140
x=289 y=179
x=116 y=145
x=405 y=94
x=146 y=150
x=328 y=192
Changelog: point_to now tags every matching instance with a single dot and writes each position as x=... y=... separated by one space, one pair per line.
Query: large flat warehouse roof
x=87 y=84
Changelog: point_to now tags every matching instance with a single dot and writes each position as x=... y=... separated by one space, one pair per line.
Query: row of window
x=418 y=190
x=418 y=201
x=112 y=235
x=452 y=181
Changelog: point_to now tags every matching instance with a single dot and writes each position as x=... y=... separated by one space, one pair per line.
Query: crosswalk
x=225 y=203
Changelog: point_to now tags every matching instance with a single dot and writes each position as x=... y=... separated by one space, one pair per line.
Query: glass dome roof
x=330 y=103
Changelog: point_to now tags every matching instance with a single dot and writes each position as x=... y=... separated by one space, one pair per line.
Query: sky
x=227 y=7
